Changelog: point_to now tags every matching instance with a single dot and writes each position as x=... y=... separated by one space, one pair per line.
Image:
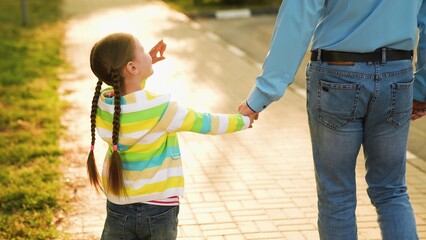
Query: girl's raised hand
x=159 y=48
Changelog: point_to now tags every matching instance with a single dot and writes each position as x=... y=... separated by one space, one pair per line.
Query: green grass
x=29 y=119
x=205 y=7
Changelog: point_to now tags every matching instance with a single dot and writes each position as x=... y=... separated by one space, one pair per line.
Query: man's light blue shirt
x=339 y=25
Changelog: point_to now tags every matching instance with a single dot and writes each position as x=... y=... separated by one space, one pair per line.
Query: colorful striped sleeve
x=178 y=118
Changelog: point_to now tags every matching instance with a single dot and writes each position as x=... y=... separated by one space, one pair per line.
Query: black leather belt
x=380 y=55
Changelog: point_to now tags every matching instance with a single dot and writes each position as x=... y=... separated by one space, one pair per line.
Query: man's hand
x=419 y=110
x=245 y=110
x=159 y=48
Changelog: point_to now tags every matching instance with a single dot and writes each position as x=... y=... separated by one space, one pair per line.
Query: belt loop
x=384 y=55
x=319 y=55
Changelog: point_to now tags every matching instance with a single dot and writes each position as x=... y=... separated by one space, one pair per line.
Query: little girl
x=142 y=173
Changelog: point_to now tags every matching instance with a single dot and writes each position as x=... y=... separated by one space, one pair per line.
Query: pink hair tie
x=92 y=147
x=115 y=147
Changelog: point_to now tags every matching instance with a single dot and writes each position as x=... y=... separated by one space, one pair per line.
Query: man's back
x=366 y=25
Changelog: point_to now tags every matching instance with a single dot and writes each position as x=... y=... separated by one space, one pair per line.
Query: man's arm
x=419 y=90
x=293 y=31
x=420 y=74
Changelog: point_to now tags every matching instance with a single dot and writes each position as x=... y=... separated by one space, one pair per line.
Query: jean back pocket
x=401 y=103
x=337 y=103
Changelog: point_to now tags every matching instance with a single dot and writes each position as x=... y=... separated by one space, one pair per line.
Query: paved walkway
x=257 y=184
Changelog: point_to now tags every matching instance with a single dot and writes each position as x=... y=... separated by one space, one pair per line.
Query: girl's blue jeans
x=140 y=221
x=349 y=106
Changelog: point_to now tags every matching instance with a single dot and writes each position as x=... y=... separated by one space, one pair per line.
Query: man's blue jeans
x=349 y=106
x=140 y=221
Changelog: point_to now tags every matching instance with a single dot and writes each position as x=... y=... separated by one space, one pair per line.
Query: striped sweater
x=148 y=143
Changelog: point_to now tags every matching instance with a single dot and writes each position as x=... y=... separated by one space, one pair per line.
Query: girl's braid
x=116 y=78
x=91 y=163
x=115 y=180
x=94 y=110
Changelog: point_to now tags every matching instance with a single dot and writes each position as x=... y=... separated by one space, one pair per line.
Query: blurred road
x=257 y=184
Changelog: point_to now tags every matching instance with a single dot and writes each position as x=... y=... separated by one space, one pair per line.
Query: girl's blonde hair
x=107 y=59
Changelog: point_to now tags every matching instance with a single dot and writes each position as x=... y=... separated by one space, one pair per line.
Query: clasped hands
x=245 y=110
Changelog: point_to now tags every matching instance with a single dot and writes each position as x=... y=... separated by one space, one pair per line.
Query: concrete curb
x=229 y=14
x=234 y=13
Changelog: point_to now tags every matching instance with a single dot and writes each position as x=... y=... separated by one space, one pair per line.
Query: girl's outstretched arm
x=178 y=118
